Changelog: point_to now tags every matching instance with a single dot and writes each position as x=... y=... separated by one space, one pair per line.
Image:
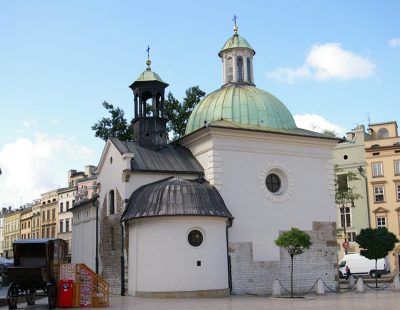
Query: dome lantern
x=237 y=59
x=149 y=124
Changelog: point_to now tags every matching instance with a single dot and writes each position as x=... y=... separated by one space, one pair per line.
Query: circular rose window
x=276 y=182
x=273 y=182
x=195 y=238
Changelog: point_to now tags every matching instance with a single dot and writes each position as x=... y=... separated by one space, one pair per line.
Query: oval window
x=273 y=182
x=195 y=238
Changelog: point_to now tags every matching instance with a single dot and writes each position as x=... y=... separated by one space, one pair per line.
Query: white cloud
x=394 y=42
x=31 y=167
x=317 y=123
x=290 y=75
x=327 y=61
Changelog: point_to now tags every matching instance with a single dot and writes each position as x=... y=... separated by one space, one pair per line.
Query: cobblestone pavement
x=349 y=301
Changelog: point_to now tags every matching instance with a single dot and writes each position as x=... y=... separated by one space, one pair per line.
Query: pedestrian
x=347 y=272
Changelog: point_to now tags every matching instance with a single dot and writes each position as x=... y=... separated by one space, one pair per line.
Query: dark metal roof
x=35 y=241
x=175 y=196
x=84 y=202
x=170 y=158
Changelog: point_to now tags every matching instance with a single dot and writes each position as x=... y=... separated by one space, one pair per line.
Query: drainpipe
x=96 y=205
x=360 y=170
x=122 y=261
x=228 y=256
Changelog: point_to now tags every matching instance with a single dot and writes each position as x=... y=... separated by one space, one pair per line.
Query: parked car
x=360 y=265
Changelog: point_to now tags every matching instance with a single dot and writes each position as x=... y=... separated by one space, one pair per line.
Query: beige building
x=26 y=223
x=49 y=214
x=36 y=220
x=382 y=151
x=66 y=200
x=12 y=223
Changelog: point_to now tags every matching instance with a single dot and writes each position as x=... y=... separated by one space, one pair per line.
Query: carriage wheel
x=12 y=295
x=52 y=295
x=31 y=297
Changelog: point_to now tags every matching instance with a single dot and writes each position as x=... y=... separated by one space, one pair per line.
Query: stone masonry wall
x=110 y=244
x=320 y=261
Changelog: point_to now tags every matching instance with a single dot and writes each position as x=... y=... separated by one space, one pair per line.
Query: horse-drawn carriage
x=35 y=270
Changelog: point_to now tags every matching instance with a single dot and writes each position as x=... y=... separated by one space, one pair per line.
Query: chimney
x=350 y=135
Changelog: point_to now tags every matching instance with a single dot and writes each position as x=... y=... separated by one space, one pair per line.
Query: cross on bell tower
x=149 y=124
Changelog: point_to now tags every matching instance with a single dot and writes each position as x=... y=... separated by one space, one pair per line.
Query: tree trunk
x=376 y=273
x=291 y=277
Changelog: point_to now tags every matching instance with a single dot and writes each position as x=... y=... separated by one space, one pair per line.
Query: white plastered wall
x=84 y=236
x=162 y=260
x=239 y=161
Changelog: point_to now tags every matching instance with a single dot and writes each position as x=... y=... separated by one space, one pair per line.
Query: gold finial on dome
x=235 y=28
x=148 y=61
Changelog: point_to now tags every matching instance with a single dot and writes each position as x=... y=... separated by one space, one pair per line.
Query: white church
x=198 y=217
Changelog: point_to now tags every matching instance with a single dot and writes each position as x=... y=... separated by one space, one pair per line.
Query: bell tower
x=149 y=124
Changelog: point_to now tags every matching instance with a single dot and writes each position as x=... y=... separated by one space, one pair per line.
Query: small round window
x=273 y=182
x=195 y=238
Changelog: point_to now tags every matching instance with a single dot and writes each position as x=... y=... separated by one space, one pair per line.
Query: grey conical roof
x=175 y=196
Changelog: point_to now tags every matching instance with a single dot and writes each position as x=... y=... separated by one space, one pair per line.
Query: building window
x=48 y=232
x=239 y=63
x=379 y=193
x=398 y=191
x=397 y=167
x=53 y=213
x=61 y=226
x=73 y=202
x=380 y=222
x=67 y=225
x=345 y=217
x=111 y=202
x=248 y=69
x=273 y=182
x=67 y=205
x=195 y=238
x=48 y=214
x=61 y=207
x=351 y=236
x=383 y=133
x=229 y=66
x=43 y=216
x=53 y=232
x=377 y=169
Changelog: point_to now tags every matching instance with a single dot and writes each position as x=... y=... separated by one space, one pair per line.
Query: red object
x=345 y=245
x=66 y=293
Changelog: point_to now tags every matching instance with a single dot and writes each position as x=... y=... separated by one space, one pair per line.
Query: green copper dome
x=244 y=105
x=149 y=75
x=234 y=42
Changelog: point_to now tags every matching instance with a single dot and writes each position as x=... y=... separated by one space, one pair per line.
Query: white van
x=360 y=265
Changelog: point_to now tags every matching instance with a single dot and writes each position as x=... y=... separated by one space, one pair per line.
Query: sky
x=334 y=64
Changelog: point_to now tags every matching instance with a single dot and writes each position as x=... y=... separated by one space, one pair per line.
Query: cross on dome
x=235 y=28
x=148 y=62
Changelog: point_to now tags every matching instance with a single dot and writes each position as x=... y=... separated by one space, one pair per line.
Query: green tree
x=344 y=194
x=115 y=126
x=295 y=242
x=328 y=132
x=376 y=243
x=178 y=113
